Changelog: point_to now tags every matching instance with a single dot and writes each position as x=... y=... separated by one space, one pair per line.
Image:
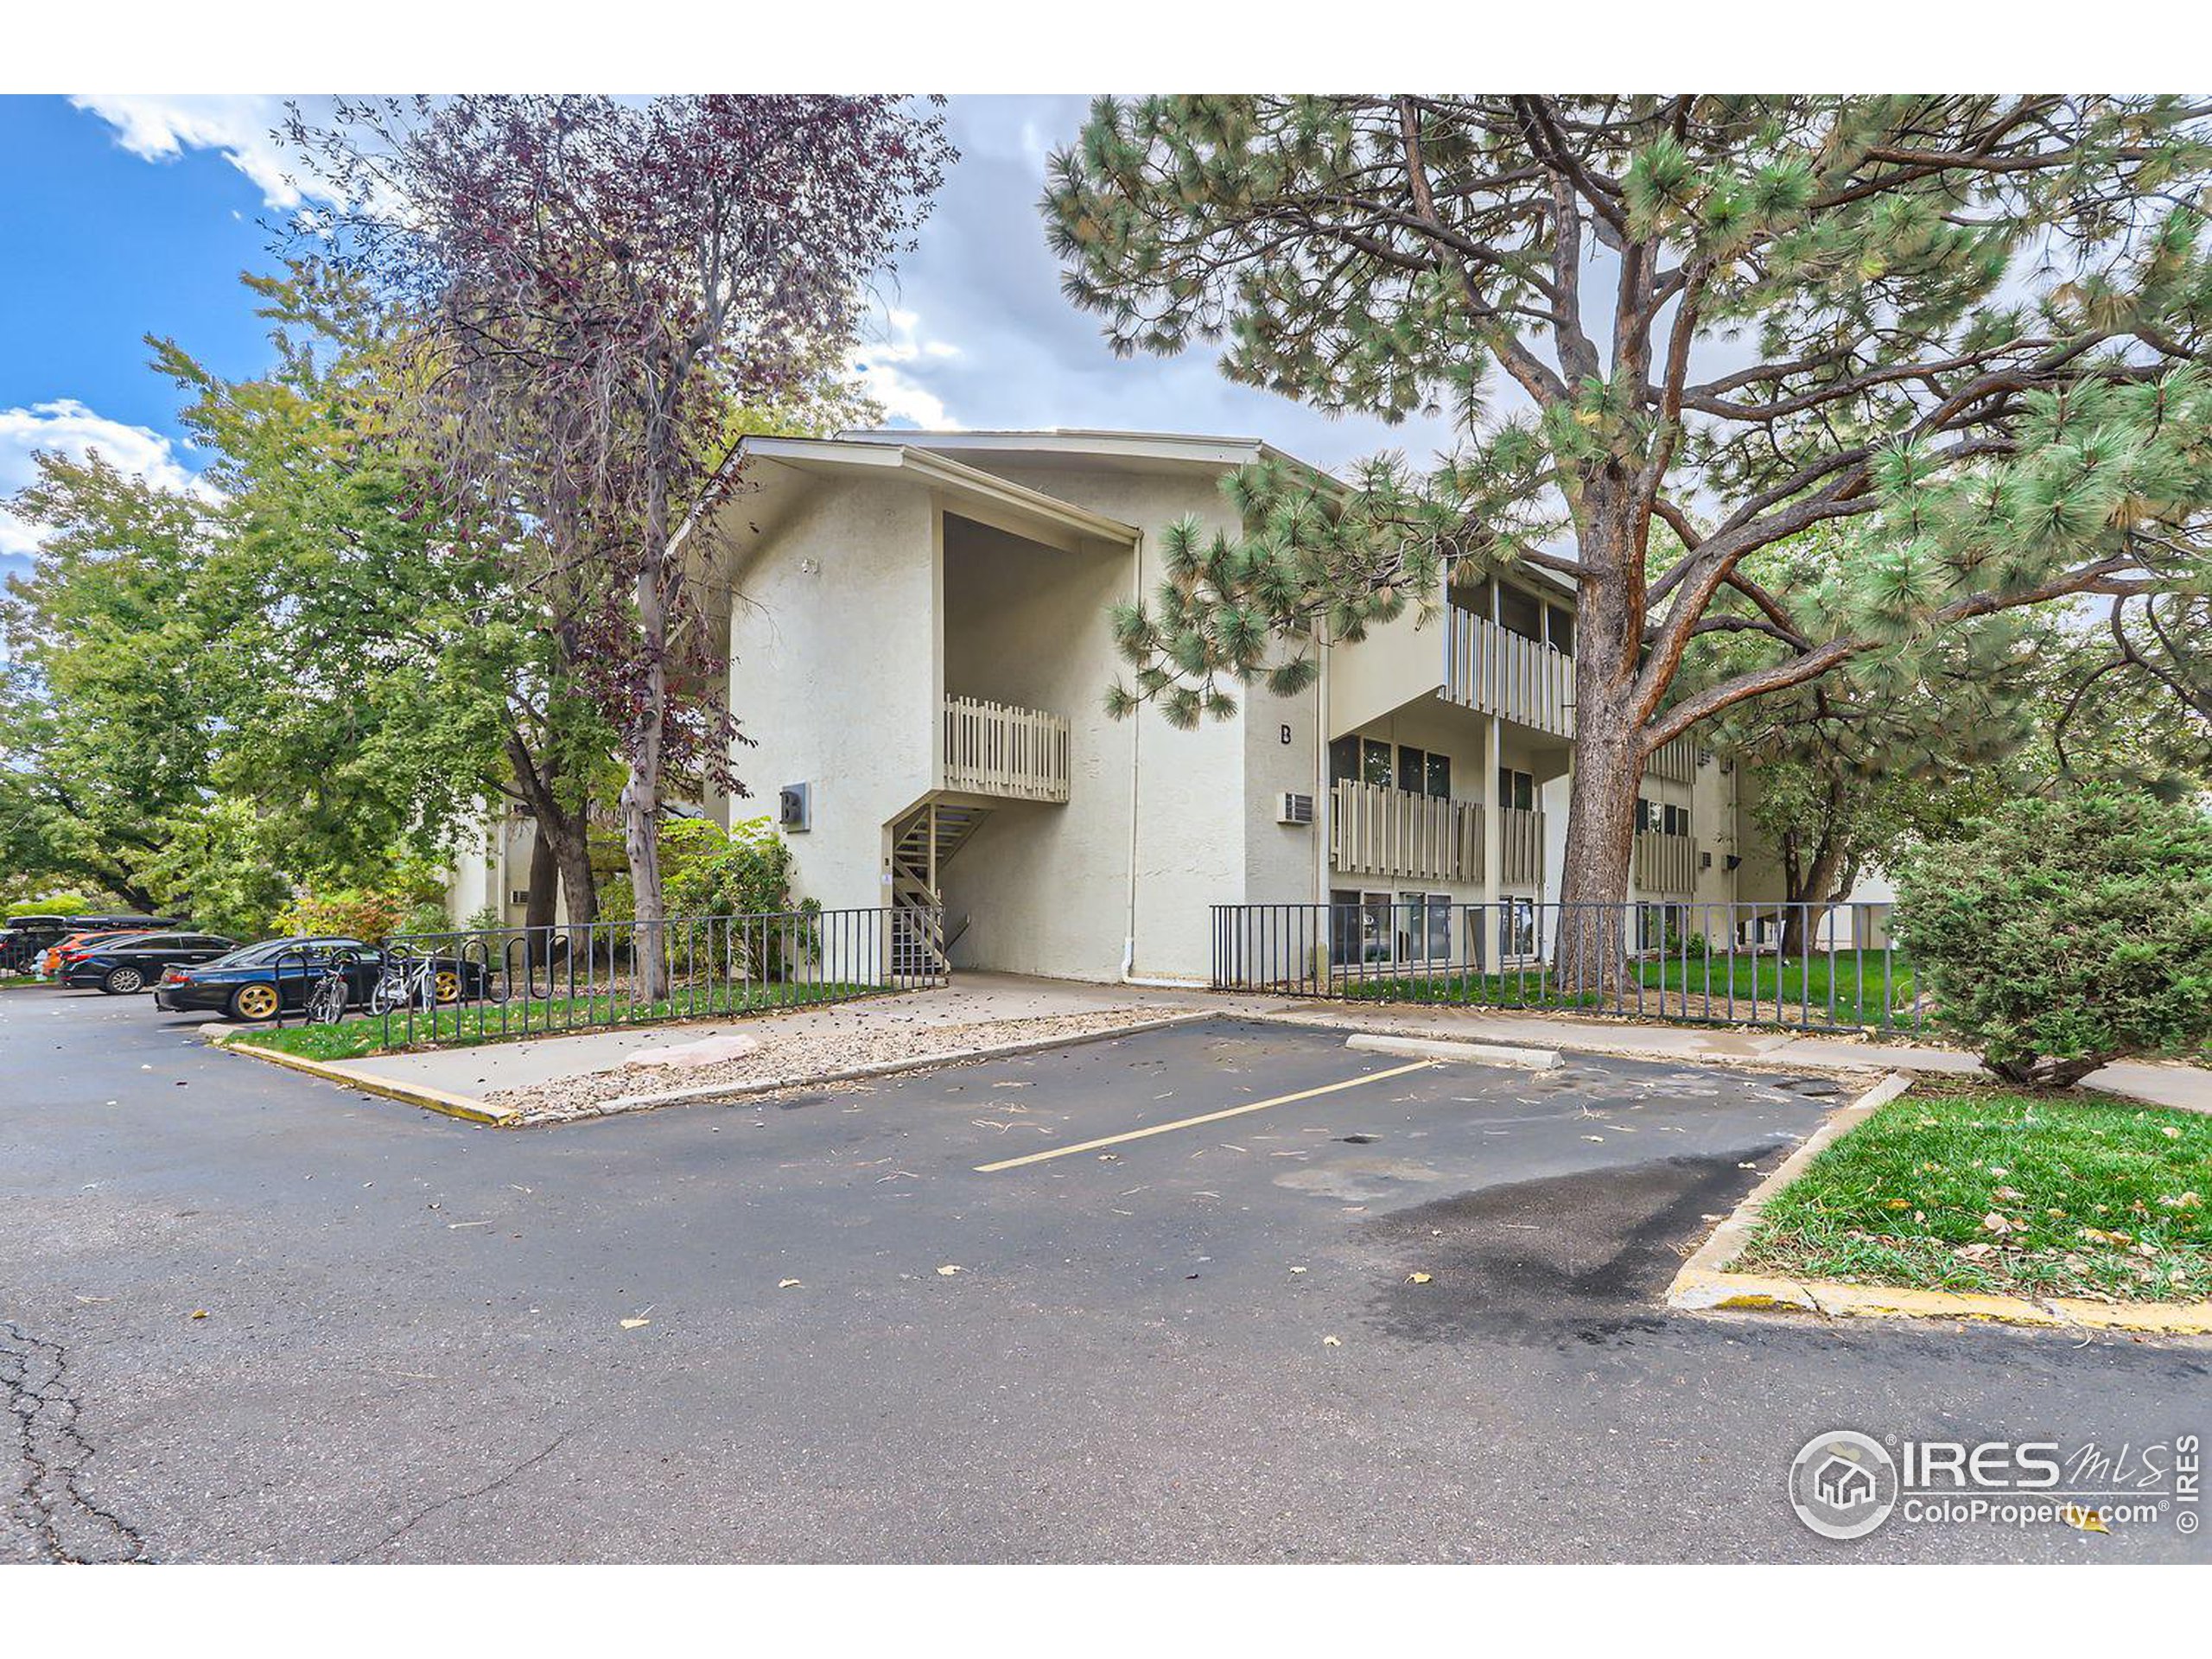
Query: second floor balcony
x=1493 y=670
x=1400 y=835
x=1016 y=754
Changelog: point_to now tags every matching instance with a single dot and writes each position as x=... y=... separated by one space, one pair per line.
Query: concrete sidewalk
x=971 y=998
x=2187 y=1087
x=979 y=999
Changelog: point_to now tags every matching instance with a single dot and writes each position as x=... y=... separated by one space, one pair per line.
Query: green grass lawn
x=1748 y=988
x=1967 y=1187
x=20 y=981
x=475 y=1023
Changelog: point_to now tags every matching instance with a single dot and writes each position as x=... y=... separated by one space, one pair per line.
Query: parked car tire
x=122 y=982
x=254 y=1002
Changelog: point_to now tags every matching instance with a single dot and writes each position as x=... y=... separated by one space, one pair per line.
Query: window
x=1678 y=821
x=1516 y=790
x=1439 y=776
x=1425 y=926
x=1519 y=613
x=1561 y=622
x=1343 y=760
x=1411 y=773
x=1374 y=767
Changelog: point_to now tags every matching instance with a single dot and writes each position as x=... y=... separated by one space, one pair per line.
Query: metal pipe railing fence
x=475 y=984
x=1809 y=966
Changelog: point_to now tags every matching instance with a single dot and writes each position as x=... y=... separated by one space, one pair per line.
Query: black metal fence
x=473 y=983
x=1812 y=967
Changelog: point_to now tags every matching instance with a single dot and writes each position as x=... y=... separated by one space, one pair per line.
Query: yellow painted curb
x=422 y=1095
x=1705 y=1283
x=1754 y=1291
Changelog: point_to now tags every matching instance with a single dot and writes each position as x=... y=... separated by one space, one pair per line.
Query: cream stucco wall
x=834 y=667
x=1042 y=888
x=1205 y=798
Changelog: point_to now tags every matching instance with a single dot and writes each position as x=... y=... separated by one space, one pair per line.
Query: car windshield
x=257 y=955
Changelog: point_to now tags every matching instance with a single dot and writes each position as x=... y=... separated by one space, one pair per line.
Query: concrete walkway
x=970 y=999
x=981 y=998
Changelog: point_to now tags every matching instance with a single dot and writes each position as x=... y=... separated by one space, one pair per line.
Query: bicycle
x=406 y=981
x=326 y=1003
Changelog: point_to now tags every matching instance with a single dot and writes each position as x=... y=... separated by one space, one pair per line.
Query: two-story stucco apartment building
x=921 y=651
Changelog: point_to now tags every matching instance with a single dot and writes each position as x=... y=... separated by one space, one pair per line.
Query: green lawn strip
x=1750 y=990
x=22 y=982
x=472 y=1024
x=1965 y=1187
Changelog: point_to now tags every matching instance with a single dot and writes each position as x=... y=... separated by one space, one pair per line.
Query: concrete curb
x=1705 y=1285
x=430 y=1100
x=715 y=1092
x=1432 y=1048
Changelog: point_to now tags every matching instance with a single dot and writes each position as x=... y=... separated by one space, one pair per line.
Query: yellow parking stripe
x=1209 y=1117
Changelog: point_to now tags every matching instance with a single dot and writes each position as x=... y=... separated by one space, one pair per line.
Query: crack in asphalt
x=489 y=1486
x=51 y=1451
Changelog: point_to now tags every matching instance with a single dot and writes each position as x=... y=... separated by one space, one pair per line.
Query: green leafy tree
x=106 y=730
x=1966 y=325
x=2068 y=932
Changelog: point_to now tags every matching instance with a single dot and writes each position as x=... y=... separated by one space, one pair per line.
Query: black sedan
x=252 y=983
x=133 y=963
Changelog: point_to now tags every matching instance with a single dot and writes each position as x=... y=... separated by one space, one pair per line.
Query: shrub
x=410 y=899
x=2060 y=934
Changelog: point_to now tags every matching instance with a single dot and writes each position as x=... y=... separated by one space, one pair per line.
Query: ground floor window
x=1516 y=929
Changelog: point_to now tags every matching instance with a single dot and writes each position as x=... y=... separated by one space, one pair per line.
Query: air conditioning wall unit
x=1294 y=808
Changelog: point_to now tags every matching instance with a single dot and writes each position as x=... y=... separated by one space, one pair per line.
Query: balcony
x=1493 y=671
x=1664 y=864
x=1015 y=754
x=1394 y=833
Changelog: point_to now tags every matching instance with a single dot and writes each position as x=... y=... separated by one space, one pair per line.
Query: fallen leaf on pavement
x=1330 y=1342
x=2083 y=1520
x=199 y=1312
x=631 y=1324
x=1416 y=1278
x=789 y=1284
x=948 y=1270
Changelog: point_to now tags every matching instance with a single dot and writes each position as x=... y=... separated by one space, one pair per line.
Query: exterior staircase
x=921 y=843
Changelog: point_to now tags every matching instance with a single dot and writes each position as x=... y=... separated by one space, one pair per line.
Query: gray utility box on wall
x=795 y=807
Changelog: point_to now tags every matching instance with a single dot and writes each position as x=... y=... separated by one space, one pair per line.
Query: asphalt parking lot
x=1359 y=1309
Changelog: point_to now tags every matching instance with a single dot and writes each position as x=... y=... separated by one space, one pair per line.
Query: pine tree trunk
x=1593 y=936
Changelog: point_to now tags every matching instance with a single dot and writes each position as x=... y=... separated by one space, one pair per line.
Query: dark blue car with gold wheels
x=255 y=982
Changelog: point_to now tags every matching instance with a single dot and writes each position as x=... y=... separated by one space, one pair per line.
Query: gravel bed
x=865 y=1042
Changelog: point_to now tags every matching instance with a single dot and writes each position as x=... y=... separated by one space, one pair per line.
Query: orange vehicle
x=64 y=951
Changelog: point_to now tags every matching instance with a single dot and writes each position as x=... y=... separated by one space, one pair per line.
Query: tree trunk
x=1593 y=937
x=641 y=791
x=544 y=882
x=1809 y=898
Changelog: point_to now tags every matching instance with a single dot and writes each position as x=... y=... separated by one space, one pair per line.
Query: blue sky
x=128 y=215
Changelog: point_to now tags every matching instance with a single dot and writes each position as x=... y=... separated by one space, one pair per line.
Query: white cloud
x=68 y=428
x=160 y=127
x=884 y=365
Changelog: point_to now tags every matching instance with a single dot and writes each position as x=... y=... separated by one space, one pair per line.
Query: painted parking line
x=1208 y=1117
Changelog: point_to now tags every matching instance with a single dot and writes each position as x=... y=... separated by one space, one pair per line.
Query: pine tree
x=1963 y=330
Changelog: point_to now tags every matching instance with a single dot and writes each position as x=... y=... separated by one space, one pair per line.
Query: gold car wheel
x=256 y=1001
x=448 y=984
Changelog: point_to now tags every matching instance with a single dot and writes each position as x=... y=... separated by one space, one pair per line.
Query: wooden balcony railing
x=1019 y=754
x=1675 y=761
x=1521 y=848
x=1665 y=863
x=1395 y=832
x=1496 y=672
